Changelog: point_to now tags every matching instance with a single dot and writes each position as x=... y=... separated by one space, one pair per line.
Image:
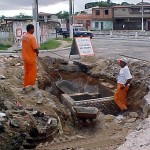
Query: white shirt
x=124 y=75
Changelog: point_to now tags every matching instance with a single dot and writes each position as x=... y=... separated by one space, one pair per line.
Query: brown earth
x=108 y=133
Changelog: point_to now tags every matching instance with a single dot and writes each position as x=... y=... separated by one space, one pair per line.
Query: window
x=88 y=22
x=123 y=9
x=135 y=10
x=106 y=12
x=80 y=21
x=41 y=17
x=97 y=12
x=96 y=24
x=146 y=10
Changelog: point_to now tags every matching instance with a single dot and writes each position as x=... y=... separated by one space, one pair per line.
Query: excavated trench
x=79 y=85
x=83 y=89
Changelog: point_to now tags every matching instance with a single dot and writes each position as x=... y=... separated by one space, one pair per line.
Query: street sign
x=82 y=46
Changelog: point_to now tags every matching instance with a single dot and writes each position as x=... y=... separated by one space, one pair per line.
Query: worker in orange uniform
x=123 y=83
x=29 y=55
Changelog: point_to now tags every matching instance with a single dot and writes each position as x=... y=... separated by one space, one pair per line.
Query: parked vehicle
x=77 y=32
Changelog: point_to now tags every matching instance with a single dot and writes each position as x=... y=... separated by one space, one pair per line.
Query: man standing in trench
x=29 y=55
x=123 y=83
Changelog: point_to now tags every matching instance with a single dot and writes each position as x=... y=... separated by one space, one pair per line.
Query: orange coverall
x=120 y=96
x=29 y=45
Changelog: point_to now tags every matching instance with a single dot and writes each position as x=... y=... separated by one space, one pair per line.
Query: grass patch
x=4 y=47
x=65 y=39
x=51 y=44
x=68 y=46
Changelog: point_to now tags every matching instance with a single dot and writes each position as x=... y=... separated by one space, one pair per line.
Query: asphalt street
x=113 y=48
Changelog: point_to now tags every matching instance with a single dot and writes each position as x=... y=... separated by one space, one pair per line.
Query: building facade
x=102 y=18
x=116 y=18
x=130 y=17
x=16 y=27
x=84 y=19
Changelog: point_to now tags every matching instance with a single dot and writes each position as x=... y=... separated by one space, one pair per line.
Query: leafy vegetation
x=67 y=39
x=107 y=3
x=22 y=15
x=51 y=44
x=4 y=47
x=63 y=15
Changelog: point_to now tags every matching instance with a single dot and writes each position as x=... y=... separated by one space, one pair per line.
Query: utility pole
x=73 y=13
x=70 y=19
x=142 y=16
x=35 y=20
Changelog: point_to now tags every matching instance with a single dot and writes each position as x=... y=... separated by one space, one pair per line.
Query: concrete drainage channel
x=94 y=97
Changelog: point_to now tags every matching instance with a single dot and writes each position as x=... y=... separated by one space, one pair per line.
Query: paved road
x=114 y=47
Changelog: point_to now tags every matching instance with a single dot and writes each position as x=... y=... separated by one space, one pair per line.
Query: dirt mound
x=20 y=108
x=109 y=69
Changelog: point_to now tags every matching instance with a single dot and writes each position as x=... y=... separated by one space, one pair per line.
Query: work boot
x=124 y=112
x=23 y=91
x=27 y=89
x=30 y=88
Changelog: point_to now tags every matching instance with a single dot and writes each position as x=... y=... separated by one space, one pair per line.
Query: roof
x=102 y=8
x=83 y=16
x=122 y=6
x=17 y=19
x=129 y=6
x=43 y=13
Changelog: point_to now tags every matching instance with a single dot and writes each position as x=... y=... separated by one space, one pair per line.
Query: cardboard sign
x=82 y=46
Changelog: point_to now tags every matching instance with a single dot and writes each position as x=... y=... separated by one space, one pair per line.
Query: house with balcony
x=102 y=18
x=48 y=19
x=130 y=17
x=84 y=19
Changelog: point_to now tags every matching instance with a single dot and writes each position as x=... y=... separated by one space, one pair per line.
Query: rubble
x=2 y=77
x=37 y=115
x=20 y=107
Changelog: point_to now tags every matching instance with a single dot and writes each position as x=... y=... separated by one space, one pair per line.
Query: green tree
x=63 y=15
x=76 y=13
x=2 y=18
x=22 y=15
x=100 y=4
x=125 y=3
x=108 y=1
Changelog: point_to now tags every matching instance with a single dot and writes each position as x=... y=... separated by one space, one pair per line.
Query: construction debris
x=37 y=119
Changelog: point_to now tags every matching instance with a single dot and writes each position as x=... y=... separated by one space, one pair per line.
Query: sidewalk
x=122 y=38
x=15 y=49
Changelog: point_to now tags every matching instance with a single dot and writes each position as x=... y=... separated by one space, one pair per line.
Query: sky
x=14 y=7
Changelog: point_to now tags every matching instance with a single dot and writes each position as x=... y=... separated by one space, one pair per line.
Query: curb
x=55 y=50
x=8 y=52
x=127 y=39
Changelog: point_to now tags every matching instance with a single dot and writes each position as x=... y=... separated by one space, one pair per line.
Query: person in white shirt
x=123 y=83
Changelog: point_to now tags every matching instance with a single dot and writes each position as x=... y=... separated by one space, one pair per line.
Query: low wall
x=105 y=105
x=6 y=38
x=123 y=33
